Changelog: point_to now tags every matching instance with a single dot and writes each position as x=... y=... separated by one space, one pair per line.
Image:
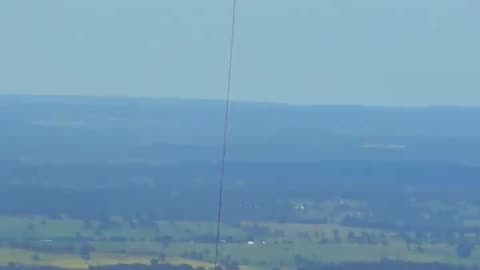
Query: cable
x=225 y=134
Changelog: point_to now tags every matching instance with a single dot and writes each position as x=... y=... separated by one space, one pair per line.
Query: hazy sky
x=383 y=52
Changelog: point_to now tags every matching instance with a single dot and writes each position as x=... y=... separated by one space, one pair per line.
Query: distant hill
x=63 y=128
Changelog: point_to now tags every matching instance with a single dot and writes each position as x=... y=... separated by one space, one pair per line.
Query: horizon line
x=276 y=103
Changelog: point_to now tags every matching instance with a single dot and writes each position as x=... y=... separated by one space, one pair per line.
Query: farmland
x=42 y=241
x=137 y=183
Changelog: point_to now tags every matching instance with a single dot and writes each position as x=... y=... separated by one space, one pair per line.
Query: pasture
x=57 y=242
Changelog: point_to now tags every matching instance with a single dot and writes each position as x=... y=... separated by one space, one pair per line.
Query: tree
x=419 y=237
x=162 y=257
x=384 y=242
x=336 y=236
x=245 y=261
x=31 y=227
x=232 y=265
x=164 y=240
x=420 y=249
x=278 y=233
x=35 y=257
x=303 y=235
x=323 y=239
x=302 y=262
x=383 y=239
x=98 y=232
x=364 y=238
x=79 y=236
x=85 y=251
x=87 y=224
x=451 y=239
x=351 y=237
x=154 y=262
x=464 y=249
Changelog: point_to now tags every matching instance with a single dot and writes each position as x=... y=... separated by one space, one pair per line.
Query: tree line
x=386 y=264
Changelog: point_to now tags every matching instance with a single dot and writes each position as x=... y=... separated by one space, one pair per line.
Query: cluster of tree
x=463 y=244
x=386 y=264
x=367 y=238
x=152 y=266
x=144 y=193
x=67 y=246
x=200 y=255
x=229 y=263
x=84 y=249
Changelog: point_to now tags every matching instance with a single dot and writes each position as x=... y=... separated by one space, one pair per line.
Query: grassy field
x=139 y=246
x=74 y=262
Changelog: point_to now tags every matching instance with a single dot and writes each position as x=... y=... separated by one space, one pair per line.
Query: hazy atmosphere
x=370 y=52
x=351 y=142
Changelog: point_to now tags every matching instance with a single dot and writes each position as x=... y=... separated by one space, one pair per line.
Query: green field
x=24 y=238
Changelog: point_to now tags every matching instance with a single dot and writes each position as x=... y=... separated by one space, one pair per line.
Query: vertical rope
x=225 y=134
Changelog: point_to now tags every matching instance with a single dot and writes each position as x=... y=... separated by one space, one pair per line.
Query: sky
x=367 y=52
